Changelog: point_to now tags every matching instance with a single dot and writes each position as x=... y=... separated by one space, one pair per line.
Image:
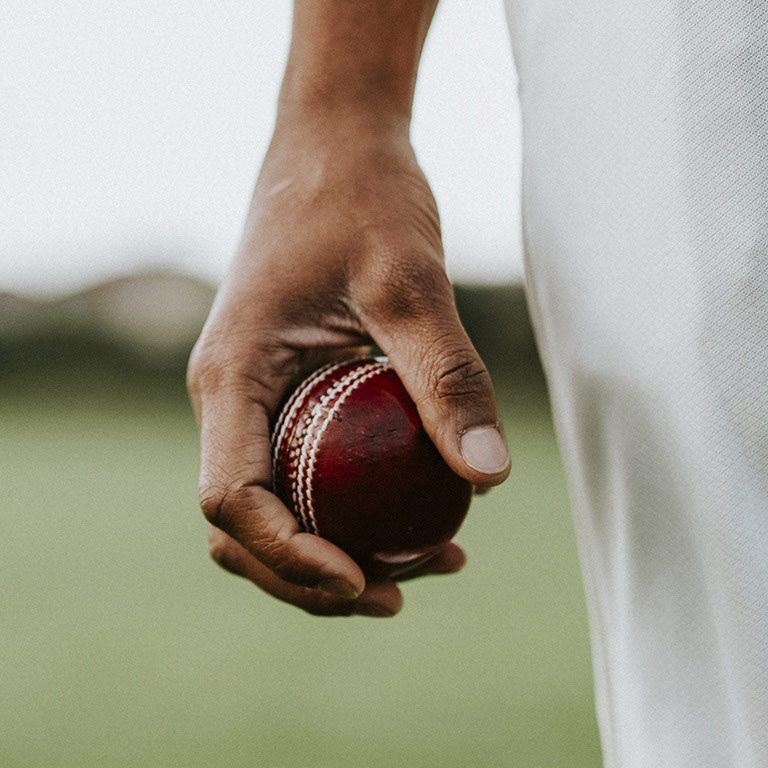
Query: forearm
x=355 y=58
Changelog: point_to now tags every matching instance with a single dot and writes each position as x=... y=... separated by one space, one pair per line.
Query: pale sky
x=132 y=132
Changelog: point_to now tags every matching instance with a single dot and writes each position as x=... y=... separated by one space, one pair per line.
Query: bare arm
x=356 y=56
x=341 y=248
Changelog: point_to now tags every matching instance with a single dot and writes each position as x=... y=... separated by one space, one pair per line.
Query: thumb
x=442 y=371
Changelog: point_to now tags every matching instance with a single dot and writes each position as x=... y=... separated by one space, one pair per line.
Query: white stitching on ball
x=288 y=414
x=316 y=416
x=313 y=440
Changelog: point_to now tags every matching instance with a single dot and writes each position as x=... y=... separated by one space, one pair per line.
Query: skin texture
x=341 y=248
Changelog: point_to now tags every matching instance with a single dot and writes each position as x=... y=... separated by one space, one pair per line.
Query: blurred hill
x=150 y=321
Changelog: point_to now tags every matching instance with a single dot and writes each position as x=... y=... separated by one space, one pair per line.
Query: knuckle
x=272 y=545
x=272 y=549
x=459 y=374
x=206 y=373
x=203 y=367
x=240 y=511
x=194 y=365
x=211 y=502
x=227 y=353
x=221 y=506
x=255 y=374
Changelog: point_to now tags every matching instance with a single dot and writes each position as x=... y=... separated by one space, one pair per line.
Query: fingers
x=234 y=478
x=380 y=600
x=447 y=561
x=412 y=315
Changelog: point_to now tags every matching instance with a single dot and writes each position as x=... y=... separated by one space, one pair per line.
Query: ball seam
x=287 y=418
x=315 y=439
x=298 y=496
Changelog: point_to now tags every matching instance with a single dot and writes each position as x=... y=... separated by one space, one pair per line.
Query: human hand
x=341 y=248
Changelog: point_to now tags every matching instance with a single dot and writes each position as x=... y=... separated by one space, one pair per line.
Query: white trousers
x=645 y=207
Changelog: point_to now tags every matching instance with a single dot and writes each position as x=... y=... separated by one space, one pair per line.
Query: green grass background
x=123 y=645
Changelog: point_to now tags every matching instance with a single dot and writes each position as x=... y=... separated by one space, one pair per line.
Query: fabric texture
x=645 y=208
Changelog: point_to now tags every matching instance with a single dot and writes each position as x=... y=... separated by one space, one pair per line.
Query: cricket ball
x=353 y=463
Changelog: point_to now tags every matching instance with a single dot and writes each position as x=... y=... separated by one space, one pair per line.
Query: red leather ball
x=352 y=461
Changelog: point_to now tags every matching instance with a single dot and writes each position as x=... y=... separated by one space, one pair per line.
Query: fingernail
x=374 y=611
x=340 y=588
x=484 y=450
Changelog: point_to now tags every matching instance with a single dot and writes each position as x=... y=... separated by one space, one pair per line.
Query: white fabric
x=645 y=206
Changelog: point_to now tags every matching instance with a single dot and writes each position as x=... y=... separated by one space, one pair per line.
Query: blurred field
x=123 y=645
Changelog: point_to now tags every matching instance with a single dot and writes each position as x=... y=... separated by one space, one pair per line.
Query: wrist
x=345 y=127
x=340 y=110
x=355 y=62
x=317 y=154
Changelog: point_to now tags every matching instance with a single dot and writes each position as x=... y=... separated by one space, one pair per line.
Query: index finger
x=235 y=476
